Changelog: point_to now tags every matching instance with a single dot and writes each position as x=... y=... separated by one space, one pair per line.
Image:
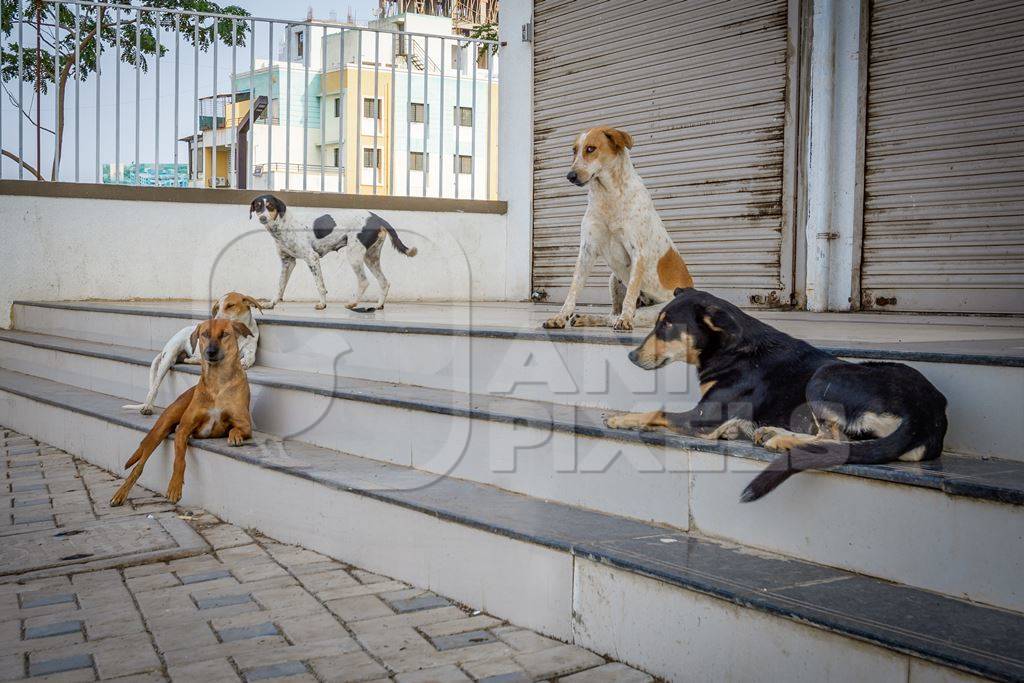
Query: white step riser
x=671 y=632
x=900 y=533
x=984 y=401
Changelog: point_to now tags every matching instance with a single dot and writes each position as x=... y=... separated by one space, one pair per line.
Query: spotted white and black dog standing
x=364 y=233
x=621 y=226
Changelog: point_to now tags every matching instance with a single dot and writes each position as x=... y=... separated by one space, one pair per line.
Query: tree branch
x=17 y=105
x=23 y=163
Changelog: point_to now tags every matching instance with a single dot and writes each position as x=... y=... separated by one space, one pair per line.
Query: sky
x=99 y=126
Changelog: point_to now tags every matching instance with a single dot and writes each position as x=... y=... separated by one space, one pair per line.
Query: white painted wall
x=156 y=250
x=515 y=143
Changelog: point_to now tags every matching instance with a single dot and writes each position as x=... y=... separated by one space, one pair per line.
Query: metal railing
x=275 y=104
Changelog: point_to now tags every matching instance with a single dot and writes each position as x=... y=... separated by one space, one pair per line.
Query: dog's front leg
x=314 y=267
x=584 y=264
x=625 y=320
x=287 y=265
x=241 y=429
x=181 y=436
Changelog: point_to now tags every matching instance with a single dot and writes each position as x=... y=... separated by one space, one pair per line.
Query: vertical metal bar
x=376 y=105
x=288 y=109
x=408 y=118
x=391 y=128
x=233 y=164
x=458 y=114
x=21 y=91
x=251 y=150
x=58 y=136
x=487 y=173
x=305 y=103
x=117 y=95
x=342 y=117
x=138 y=86
x=359 y=108
x=156 y=122
x=177 y=81
x=99 y=56
x=78 y=84
x=440 y=133
x=323 y=100
x=475 y=48
x=426 y=113
x=270 y=107
x=213 y=125
x=196 y=152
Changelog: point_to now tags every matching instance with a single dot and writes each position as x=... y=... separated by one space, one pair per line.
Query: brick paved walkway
x=248 y=608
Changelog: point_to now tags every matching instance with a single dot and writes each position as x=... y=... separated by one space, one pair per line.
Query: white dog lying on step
x=183 y=347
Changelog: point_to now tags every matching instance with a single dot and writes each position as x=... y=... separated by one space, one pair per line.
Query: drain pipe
x=818 y=162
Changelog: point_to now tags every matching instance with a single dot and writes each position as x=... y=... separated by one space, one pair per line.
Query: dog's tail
x=165 y=424
x=832 y=453
x=397 y=243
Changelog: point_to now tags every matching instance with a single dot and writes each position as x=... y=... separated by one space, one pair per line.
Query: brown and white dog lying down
x=782 y=393
x=621 y=226
x=217 y=405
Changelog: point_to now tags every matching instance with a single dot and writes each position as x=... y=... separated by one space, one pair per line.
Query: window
x=299 y=38
x=337 y=107
x=483 y=57
x=337 y=158
x=459 y=57
x=463 y=164
x=418 y=161
x=417 y=112
x=371 y=108
x=463 y=116
x=369 y=155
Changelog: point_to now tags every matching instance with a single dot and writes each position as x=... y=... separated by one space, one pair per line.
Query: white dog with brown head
x=621 y=226
x=183 y=347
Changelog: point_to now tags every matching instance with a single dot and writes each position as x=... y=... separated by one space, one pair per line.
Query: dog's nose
x=211 y=353
x=633 y=355
x=572 y=176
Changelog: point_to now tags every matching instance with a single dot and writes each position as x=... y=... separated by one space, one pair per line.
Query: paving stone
x=30 y=502
x=443 y=674
x=201 y=577
x=12 y=667
x=34 y=600
x=225 y=536
x=223 y=601
x=245 y=632
x=497 y=670
x=32 y=519
x=211 y=671
x=511 y=677
x=558 y=661
x=525 y=641
x=418 y=603
x=347 y=668
x=447 y=628
x=42 y=667
x=24 y=488
x=376 y=588
x=185 y=637
x=609 y=673
x=466 y=639
x=140 y=584
x=58 y=629
x=368 y=577
x=275 y=671
x=312 y=628
x=359 y=607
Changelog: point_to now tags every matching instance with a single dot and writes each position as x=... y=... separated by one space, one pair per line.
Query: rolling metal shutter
x=702 y=87
x=944 y=174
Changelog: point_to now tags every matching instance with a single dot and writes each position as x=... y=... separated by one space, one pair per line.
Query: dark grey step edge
x=993 y=479
x=966 y=636
x=567 y=336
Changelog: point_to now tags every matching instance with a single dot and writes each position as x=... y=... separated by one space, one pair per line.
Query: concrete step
x=983 y=379
x=659 y=599
x=903 y=522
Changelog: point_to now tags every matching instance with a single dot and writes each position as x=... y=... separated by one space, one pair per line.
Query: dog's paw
x=619 y=422
x=771 y=438
x=556 y=323
x=320 y=307
x=235 y=438
x=270 y=304
x=117 y=500
x=145 y=410
x=174 y=491
x=623 y=324
x=351 y=305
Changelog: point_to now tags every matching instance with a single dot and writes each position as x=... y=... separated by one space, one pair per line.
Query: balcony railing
x=228 y=100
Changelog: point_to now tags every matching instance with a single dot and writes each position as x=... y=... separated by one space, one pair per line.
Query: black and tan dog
x=759 y=383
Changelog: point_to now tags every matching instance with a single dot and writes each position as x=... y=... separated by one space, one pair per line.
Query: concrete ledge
x=193 y=195
x=658 y=598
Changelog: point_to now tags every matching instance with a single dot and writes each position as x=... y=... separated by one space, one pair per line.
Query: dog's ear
x=279 y=206
x=720 y=320
x=252 y=302
x=680 y=290
x=214 y=308
x=252 y=207
x=241 y=329
x=194 y=338
x=620 y=139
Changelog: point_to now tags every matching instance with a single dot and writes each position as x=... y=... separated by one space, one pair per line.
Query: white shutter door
x=701 y=85
x=944 y=174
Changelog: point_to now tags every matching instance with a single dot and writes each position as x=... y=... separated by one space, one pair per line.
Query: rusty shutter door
x=944 y=174
x=702 y=87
